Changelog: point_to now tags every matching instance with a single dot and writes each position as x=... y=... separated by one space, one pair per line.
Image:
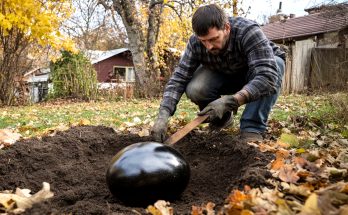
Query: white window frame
x=127 y=72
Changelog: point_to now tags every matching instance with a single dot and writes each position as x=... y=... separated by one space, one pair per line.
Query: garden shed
x=317 y=48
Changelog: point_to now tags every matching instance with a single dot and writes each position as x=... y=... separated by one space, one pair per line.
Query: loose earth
x=74 y=163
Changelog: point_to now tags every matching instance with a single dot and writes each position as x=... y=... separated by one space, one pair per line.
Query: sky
x=269 y=7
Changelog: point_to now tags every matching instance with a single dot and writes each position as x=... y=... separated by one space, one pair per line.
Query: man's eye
x=212 y=40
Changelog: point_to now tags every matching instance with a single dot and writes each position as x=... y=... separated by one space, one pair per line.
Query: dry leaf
x=160 y=207
x=196 y=210
x=8 y=137
x=287 y=174
x=282 y=153
x=210 y=208
x=302 y=190
x=84 y=122
x=20 y=201
x=311 y=206
x=300 y=161
x=277 y=164
x=144 y=132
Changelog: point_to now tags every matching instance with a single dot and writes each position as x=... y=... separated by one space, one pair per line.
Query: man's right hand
x=159 y=129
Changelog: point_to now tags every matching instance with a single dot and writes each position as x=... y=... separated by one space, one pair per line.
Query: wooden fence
x=310 y=68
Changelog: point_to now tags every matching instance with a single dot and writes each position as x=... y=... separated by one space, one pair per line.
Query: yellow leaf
x=84 y=122
x=300 y=150
x=311 y=206
x=289 y=139
x=152 y=210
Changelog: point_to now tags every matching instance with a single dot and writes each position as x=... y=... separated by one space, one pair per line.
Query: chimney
x=292 y=15
x=280 y=8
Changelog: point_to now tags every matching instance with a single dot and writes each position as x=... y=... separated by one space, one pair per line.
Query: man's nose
x=209 y=46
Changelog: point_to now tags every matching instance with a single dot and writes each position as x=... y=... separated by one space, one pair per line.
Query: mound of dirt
x=74 y=162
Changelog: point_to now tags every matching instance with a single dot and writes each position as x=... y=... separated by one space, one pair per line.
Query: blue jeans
x=206 y=86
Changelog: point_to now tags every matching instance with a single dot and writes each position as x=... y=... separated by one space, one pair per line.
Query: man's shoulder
x=239 y=24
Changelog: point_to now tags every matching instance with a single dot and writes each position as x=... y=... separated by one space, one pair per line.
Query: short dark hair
x=206 y=17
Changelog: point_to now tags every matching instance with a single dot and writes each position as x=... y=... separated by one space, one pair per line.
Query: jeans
x=207 y=86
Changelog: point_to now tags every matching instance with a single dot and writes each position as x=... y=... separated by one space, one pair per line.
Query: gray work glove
x=217 y=108
x=159 y=129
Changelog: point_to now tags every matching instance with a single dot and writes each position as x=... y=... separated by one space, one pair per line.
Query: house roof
x=311 y=24
x=38 y=78
x=96 y=56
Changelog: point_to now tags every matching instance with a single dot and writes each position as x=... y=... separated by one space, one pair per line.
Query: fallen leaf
x=8 y=137
x=144 y=132
x=343 y=210
x=300 y=161
x=210 y=208
x=289 y=139
x=277 y=164
x=160 y=207
x=311 y=206
x=84 y=122
x=301 y=190
x=21 y=200
x=196 y=210
x=246 y=212
x=282 y=153
x=287 y=174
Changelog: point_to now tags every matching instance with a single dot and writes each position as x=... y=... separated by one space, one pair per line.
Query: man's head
x=212 y=28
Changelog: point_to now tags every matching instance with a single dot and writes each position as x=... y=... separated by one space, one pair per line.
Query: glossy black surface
x=145 y=172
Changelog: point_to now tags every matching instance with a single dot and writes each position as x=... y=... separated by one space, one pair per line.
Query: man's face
x=215 y=40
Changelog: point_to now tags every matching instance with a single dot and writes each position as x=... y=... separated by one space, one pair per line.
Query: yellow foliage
x=38 y=21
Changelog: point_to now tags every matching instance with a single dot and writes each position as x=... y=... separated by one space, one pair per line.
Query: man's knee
x=195 y=92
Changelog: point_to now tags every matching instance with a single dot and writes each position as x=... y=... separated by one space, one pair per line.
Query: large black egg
x=143 y=173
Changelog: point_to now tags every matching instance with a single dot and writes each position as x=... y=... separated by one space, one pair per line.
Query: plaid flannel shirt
x=248 y=50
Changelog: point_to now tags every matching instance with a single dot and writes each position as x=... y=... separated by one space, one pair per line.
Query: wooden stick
x=185 y=130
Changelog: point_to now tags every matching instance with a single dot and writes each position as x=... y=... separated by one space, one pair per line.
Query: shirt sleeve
x=262 y=74
x=182 y=74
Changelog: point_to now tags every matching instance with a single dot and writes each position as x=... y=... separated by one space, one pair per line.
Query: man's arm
x=174 y=90
x=262 y=74
x=176 y=85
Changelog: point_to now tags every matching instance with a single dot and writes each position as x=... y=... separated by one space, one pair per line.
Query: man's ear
x=227 y=26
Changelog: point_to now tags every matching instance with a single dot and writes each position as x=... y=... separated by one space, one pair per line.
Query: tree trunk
x=141 y=46
x=12 y=47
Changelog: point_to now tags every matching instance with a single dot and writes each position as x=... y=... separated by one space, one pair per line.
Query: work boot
x=219 y=124
x=247 y=136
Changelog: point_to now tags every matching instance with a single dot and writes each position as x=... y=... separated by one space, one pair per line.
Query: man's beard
x=216 y=51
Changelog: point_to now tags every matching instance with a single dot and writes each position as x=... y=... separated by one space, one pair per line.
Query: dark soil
x=74 y=162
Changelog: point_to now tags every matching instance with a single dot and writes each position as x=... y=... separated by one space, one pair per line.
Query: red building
x=113 y=66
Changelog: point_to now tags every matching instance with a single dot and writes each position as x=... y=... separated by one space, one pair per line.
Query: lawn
x=315 y=112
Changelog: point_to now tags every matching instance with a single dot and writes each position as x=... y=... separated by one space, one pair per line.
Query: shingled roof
x=311 y=24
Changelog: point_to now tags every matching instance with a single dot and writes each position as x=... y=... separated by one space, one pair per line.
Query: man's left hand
x=217 y=108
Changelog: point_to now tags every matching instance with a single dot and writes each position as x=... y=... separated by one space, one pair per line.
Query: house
x=37 y=83
x=316 y=45
x=113 y=66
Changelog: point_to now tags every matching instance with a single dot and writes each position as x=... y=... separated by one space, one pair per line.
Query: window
x=130 y=75
x=123 y=74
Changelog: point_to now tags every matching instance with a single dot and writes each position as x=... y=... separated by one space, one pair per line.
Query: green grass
x=315 y=111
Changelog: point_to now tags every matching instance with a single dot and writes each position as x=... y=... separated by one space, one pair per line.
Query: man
x=231 y=57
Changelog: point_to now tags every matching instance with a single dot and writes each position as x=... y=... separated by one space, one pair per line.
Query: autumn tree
x=25 y=23
x=93 y=27
x=142 y=21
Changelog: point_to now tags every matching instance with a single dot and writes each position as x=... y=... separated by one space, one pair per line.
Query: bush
x=73 y=76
